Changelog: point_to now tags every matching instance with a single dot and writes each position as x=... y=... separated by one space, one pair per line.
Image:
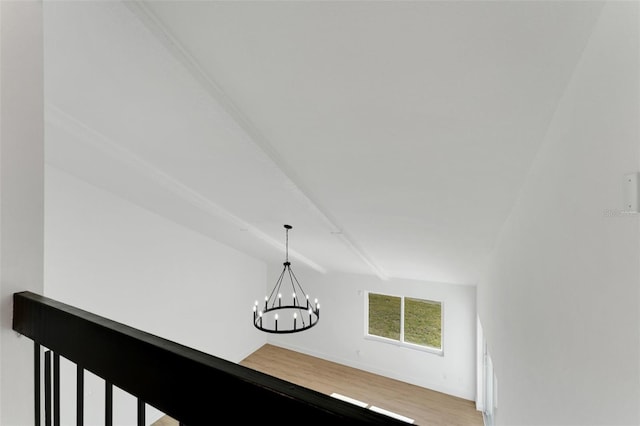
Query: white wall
x=340 y=334
x=559 y=303
x=21 y=195
x=110 y=257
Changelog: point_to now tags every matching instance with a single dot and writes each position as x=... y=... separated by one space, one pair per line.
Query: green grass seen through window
x=422 y=319
x=423 y=322
x=384 y=316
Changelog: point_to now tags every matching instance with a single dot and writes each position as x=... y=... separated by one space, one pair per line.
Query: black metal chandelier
x=293 y=314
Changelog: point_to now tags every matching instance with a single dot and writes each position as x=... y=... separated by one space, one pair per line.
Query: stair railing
x=190 y=386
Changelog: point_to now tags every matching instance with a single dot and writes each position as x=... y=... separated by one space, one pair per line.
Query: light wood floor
x=424 y=406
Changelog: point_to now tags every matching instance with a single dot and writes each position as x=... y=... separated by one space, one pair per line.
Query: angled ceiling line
x=182 y=55
x=59 y=118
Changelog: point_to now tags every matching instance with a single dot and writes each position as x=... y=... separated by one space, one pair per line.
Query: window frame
x=401 y=342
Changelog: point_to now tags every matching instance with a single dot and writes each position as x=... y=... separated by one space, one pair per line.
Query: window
x=406 y=320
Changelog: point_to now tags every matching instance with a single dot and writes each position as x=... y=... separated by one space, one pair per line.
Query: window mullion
x=402 y=319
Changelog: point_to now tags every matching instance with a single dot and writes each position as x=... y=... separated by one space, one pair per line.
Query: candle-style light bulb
x=279 y=300
x=266 y=299
x=276 y=322
x=307 y=301
x=294 y=299
x=295 y=316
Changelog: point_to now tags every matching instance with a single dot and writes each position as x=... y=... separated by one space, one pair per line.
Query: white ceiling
x=394 y=136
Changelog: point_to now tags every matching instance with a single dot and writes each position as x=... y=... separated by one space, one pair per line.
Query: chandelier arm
x=277 y=287
x=304 y=324
x=292 y=284
x=297 y=282
x=315 y=310
x=302 y=310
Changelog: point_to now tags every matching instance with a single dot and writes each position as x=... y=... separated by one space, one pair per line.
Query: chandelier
x=291 y=313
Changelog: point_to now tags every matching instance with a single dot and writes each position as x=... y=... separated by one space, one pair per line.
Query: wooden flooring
x=424 y=406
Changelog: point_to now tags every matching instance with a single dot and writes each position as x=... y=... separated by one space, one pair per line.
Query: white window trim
x=401 y=342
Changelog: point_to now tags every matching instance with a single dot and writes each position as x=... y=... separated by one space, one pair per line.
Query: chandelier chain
x=287 y=246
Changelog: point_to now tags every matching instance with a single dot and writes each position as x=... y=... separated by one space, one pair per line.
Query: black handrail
x=191 y=386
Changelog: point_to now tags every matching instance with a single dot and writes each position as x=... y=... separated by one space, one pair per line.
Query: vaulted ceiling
x=393 y=136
